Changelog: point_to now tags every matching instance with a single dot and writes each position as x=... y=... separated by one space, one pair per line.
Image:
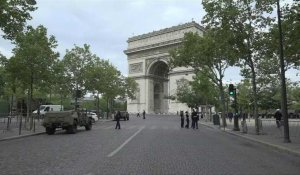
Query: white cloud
x=107 y=24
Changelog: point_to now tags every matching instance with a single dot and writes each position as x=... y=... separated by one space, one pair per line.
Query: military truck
x=68 y=120
x=124 y=115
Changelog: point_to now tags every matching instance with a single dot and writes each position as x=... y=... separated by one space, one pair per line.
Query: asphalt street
x=156 y=145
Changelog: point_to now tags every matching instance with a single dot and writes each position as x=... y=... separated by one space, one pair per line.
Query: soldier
x=194 y=119
x=187 y=120
x=196 y=122
x=144 y=114
x=118 y=116
x=182 y=118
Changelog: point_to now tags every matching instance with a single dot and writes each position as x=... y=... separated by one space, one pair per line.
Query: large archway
x=158 y=73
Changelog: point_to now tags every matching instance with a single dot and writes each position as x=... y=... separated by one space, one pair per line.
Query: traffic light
x=231 y=89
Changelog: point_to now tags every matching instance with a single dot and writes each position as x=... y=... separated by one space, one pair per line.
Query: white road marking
x=127 y=141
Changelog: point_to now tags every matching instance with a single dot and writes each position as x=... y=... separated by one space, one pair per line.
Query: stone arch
x=158 y=68
x=158 y=73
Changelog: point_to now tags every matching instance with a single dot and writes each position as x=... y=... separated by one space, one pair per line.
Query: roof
x=166 y=30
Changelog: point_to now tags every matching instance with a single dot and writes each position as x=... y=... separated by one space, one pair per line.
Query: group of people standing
x=194 y=117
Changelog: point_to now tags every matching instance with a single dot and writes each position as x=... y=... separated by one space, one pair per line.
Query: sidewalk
x=273 y=141
x=13 y=131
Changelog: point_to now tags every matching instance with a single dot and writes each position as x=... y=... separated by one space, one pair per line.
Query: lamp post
x=283 y=83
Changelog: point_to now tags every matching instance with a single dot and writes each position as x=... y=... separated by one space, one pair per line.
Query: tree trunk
x=27 y=108
x=98 y=108
x=50 y=96
x=30 y=101
x=255 y=114
x=107 y=108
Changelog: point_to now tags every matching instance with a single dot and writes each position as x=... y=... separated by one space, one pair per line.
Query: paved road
x=153 y=146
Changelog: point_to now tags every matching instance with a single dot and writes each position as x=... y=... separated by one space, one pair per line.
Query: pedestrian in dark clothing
x=278 y=116
x=144 y=114
x=194 y=119
x=118 y=116
x=182 y=118
x=196 y=122
x=187 y=119
x=230 y=116
x=138 y=114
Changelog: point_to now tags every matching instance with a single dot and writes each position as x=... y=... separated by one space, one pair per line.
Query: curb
x=22 y=136
x=277 y=147
x=33 y=134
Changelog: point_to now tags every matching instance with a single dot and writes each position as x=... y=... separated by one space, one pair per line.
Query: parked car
x=93 y=116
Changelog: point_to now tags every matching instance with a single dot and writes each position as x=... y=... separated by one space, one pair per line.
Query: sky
x=107 y=24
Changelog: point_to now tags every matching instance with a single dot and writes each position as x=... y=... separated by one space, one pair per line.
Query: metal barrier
x=269 y=127
x=17 y=124
x=266 y=127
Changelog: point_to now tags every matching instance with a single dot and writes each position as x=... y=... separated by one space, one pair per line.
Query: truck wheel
x=88 y=126
x=50 y=130
x=72 y=129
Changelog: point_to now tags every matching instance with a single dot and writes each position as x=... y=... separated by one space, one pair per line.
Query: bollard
x=236 y=122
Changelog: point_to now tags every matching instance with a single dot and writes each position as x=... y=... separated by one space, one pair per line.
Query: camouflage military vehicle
x=68 y=120
x=124 y=115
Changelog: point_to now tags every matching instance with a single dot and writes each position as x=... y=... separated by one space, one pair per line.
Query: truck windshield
x=42 y=107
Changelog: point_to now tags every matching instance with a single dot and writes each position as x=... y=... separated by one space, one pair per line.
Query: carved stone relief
x=136 y=68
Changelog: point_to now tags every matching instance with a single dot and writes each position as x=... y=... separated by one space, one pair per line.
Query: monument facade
x=148 y=56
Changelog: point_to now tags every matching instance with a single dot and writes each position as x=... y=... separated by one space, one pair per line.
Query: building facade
x=148 y=56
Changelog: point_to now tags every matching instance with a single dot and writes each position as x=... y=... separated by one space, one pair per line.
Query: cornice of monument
x=152 y=46
x=181 y=72
x=166 y=30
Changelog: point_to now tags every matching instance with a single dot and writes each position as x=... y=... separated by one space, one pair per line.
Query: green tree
x=295 y=97
x=3 y=62
x=197 y=92
x=96 y=76
x=243 y=22
x=77 y=63
x=13 y=16
x=209 y=56
x=32 y=60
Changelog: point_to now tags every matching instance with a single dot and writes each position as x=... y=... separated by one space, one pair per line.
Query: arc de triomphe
x=147 y=56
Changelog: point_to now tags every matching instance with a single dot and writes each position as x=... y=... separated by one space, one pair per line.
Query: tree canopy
x=13 y=16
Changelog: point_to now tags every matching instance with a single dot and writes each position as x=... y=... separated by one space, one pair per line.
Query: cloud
x=107 y=24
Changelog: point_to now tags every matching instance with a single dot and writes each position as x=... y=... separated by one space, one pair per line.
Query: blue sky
x=107 y=24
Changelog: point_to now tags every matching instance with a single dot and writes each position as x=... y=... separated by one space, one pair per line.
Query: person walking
x=138 y=114
x=144 y=114
x=187 y=119
x=118 y=116
x=277 y=117
x=182 y=119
